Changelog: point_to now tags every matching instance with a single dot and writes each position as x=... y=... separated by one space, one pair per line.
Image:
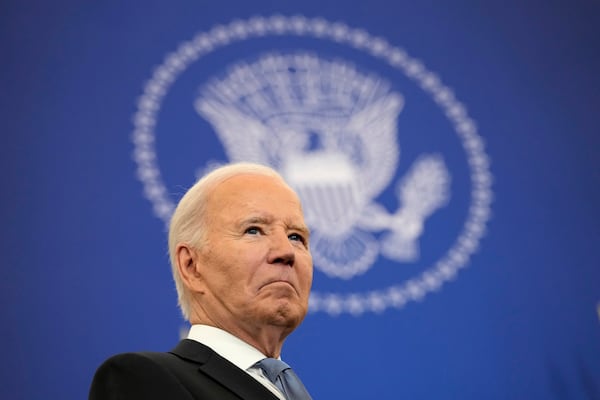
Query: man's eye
x=253 y=230
x=296 y=237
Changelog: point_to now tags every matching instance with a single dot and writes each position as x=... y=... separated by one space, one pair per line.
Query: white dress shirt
x=234 y=350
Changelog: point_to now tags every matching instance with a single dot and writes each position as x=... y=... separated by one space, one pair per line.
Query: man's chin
x=286 y=314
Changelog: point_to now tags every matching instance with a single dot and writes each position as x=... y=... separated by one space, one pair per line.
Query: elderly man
x=243 y=271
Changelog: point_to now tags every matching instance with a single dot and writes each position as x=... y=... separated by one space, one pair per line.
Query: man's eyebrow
x=300 y=228
x=256 y=219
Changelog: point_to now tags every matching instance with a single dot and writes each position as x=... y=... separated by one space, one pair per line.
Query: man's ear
x=189 y=271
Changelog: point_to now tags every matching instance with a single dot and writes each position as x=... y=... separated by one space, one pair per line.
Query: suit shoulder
x=135 y=376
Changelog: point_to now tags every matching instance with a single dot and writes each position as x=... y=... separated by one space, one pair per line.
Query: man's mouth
x=280 y=283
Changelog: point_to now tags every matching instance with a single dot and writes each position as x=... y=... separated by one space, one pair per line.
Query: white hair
x=188 y=221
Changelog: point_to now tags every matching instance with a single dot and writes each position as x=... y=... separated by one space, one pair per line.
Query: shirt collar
x=235 y=350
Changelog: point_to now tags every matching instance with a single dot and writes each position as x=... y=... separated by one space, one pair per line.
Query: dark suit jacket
x=190 y=371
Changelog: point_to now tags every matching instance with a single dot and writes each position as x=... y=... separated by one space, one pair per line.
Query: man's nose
x=282 y=250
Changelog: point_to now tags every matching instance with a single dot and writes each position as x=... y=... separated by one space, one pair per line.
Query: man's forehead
x=252 y=188
x=246 y=196
x=251 y=183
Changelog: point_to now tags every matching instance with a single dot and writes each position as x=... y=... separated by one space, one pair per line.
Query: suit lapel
x=222 y=371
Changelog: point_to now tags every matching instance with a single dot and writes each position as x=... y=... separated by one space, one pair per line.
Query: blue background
x=84 y=272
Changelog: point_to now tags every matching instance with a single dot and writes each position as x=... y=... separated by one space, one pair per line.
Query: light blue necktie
x=284 y=378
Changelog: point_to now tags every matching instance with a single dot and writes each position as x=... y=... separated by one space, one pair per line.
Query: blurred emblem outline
x=302 y=105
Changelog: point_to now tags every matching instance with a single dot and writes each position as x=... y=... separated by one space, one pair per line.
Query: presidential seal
x=391 y=170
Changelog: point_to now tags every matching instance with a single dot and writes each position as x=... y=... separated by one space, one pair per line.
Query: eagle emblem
x=331 y=130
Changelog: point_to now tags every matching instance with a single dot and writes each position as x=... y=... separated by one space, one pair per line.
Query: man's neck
x=268 y=339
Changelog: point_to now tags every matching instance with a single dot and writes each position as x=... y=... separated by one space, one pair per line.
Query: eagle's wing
x=244 y=138
x=375 y=129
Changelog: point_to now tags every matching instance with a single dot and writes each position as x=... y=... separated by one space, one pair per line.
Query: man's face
x=255 y=264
